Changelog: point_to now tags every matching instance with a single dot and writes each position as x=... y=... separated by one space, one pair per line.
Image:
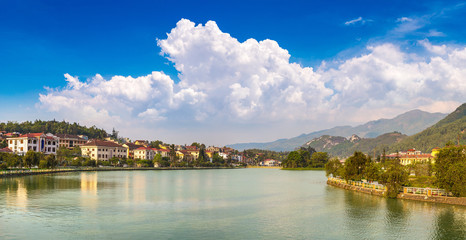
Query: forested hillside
x=53 y=127
x=342 y=147
x=450 y=129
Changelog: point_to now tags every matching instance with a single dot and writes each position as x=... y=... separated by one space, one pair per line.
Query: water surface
x=212 y=204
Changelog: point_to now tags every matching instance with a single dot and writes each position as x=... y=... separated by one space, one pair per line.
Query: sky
x=223 y=72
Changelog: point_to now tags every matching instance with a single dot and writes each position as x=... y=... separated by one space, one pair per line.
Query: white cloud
x=404 y=19
x=359 y=20
x=224 y=82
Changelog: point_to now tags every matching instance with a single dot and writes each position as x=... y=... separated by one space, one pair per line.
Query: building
x=413 y=156
x=37 y=142
x=144 y=143
x=270 y=163
x=5 y=150
x=130 y=147
x=70 y=141
x=163 y=152
x=103 y=150
x=144 y=153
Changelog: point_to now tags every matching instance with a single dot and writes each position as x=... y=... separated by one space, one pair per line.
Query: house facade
x=70 y=141
x=37 y=142
x=103 y=150
x=144 y=153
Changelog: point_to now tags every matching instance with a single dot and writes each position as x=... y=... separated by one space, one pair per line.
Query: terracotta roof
x=132 y=146
x=5 y=150
x=97 y=142
x=61 y=135
x=143 y=148
x=31 y=135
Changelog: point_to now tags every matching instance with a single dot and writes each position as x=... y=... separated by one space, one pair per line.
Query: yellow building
x=103 y=150
x=435 y=151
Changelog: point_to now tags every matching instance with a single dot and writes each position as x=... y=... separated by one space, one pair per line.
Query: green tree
x=114 y=161
x=318 y=159
x=332 y=167
x=450 y=166
x=32 y=158
x=355 y=166
x=51 y=161
x=394 y=178
x=373 y=171
x=294 y=160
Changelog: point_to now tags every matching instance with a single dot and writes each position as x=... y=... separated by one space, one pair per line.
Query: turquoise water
x=212 y=204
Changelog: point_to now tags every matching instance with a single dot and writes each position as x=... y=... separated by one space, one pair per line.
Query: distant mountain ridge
x=343 y=147
x=452 y=128
x=407 y=123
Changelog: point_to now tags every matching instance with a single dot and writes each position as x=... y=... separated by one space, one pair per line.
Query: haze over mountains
x=408 y=123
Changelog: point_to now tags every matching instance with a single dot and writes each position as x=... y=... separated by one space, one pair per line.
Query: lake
x=212 y=204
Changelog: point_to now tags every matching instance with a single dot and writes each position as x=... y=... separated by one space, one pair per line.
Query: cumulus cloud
x=224 y=80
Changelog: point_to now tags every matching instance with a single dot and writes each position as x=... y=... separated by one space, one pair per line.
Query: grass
x=422 y=181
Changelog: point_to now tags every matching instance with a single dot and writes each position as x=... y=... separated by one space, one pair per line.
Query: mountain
x=451 y=128
x=344 y=147
x=407 y=123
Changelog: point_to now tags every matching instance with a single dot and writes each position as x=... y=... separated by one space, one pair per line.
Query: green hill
x=451 y=128
x=343 y=147
x=53 y=127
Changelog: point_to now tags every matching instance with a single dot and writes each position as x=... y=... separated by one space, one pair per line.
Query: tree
x=50 y=161
x=355 y=166
x=450 y=166
x=293 y=160
x=373 y=171
x=318 y=159
x=332 y=167
x=114 y=161
x=394 y=178
x=32 y=158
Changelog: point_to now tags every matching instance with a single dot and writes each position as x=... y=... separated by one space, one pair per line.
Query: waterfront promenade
x=410 y=193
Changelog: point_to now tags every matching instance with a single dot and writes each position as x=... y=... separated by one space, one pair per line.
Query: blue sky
x=43 y=40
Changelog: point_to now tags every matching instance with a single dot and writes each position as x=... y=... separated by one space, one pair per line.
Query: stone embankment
x=371 y=189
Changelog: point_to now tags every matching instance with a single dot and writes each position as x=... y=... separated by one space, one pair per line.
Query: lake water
x=212 y=204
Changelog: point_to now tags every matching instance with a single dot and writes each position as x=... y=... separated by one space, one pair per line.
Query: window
x=34 y=148
x=53 y=149
x=11 y=141
x=21 y=149
x=93 y=155
x=53 y=143
x=34 y=142
x=21 y=141
x=29 y=141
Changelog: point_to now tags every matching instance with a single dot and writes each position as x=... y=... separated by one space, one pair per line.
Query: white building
x=145 y=153
x=37 y=142
x=103 y=150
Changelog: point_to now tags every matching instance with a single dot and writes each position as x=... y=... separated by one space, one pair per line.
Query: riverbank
x=407 y=196
x=273 y=167
x=304 y=169
x=27 y=172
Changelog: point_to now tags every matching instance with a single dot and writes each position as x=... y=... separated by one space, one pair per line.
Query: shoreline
x=459 y=201
x=27 y=172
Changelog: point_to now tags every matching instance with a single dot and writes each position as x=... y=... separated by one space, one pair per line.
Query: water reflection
x=89 y=183
x=396 y=218
x=450 y=225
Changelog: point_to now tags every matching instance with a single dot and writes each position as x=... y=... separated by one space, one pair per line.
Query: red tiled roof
x=96 y=142
x=31 y=135
x=5 y=150
x=143 y=148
